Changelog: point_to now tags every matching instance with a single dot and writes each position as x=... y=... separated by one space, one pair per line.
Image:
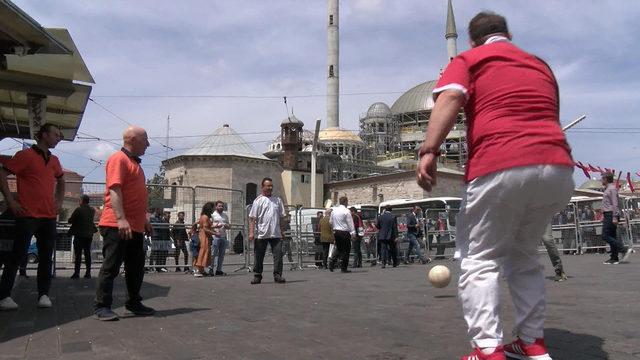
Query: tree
x=156 y=191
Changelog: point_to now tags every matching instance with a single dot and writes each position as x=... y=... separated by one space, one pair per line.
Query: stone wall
x=373 y=190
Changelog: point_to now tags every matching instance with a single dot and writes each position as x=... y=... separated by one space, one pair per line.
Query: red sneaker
x=476 y=354
x=520 y=350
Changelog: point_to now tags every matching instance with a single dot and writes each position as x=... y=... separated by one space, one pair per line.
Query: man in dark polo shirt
x=38 y=175
x=122 y=226
x=82 y=229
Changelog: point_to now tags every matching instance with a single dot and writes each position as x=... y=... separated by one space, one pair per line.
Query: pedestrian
x=413 y=230
x=315 y=225
x=220 y=243
x=356 y=244
x=123 y=224
x=554 y=255
x=205 y=232
x=371 y=242
x=39 y=175
x=387 y=225
x=180 y=238
x=343 y=231
x=82 y=229
x=519 y=174
x=266 y=226
x=610 y=219
x=326 y=236
x=286 y=241
x=160 y=240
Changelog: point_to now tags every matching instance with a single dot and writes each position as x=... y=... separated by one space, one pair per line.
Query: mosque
x=386 y=144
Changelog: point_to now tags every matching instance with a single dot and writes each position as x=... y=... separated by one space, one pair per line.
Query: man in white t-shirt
x=220 y=225
x=266 y=226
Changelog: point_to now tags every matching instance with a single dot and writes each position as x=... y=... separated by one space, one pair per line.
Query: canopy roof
x=42 y=62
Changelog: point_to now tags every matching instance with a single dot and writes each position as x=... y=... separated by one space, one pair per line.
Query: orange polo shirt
x=124 y=171
x=36 y=181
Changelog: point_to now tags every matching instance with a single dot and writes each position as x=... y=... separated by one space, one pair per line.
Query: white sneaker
x=7 y=304
x=198 y=274
x=626 y=254
x=44 y=302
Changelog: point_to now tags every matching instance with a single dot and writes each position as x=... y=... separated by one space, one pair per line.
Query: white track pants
x=502 y=218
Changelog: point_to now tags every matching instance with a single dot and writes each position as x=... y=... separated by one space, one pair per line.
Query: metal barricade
x=565 y=231
x=632 y=217
x=588 y=215
x=440 y=230
x=234 y=201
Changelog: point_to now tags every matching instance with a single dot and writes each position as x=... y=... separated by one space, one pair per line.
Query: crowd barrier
x=577 y=229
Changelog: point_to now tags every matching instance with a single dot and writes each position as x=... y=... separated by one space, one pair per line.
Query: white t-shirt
x=268 y=211
x=220 y=219
x=341 y=219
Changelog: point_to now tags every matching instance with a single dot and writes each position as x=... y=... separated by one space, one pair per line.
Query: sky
x=203 y=64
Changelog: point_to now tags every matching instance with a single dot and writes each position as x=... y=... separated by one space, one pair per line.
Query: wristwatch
x=428 y=150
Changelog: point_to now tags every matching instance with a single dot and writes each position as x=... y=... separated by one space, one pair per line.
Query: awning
x=21 y=34
x=52 y=74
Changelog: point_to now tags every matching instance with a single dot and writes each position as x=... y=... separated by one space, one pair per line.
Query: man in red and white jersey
x=518 y=175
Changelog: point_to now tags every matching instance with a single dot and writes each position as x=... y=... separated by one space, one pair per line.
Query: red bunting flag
x=638 y=173
x=593 y=168
x=618 y=180
x=630 y=182
x=584 y=169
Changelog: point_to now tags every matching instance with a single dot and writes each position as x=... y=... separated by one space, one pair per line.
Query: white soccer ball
x=439 y=276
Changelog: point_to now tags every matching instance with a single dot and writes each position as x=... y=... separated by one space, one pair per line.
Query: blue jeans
x=219 y=247
x=413 y=244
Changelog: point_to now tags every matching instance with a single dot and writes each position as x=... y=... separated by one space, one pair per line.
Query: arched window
x=251 y=192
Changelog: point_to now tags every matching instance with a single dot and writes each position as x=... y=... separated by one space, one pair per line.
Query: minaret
x=451 y=34
x=333 y=80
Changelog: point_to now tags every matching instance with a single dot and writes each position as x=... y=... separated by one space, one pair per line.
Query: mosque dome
x=378 y=110
x=418 y=98
x=224 y=142
x=335 y=134
x=292 y=120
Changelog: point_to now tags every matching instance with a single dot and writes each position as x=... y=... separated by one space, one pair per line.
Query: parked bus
x=437 y=219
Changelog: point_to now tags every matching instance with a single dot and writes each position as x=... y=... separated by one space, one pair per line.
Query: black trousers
x=45 y=232
x=609 y=234
x=176 y=255
x=343 y=247
x=318 y=252
x=389 y=252
x=82 y=245
x=116 y=251
x=261 y=249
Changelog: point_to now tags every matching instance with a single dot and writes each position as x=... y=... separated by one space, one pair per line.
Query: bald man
x=122 y=225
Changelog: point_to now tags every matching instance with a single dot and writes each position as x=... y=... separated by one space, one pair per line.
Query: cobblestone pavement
x=372 y=314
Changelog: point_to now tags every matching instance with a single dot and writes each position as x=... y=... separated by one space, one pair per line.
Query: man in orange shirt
x=122 y=225
x=38 y=173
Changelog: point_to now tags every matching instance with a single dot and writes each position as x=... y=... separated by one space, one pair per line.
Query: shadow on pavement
x=72 y=301
x=565 y=345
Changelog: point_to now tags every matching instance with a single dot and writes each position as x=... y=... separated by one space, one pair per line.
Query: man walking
x=122 y=225
x=518 y=175
x=315 y=225
x=180 y=238
x=343 y=231
x=326 y=236
x=266 y=226
x=82 y=229
x=413 y=229
x=387 y=225
x=610 y=219
x=39 y=175
x=357 y=240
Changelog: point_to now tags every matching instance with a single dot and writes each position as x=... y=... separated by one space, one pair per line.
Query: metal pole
x=314 y=156
x=574 y=123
